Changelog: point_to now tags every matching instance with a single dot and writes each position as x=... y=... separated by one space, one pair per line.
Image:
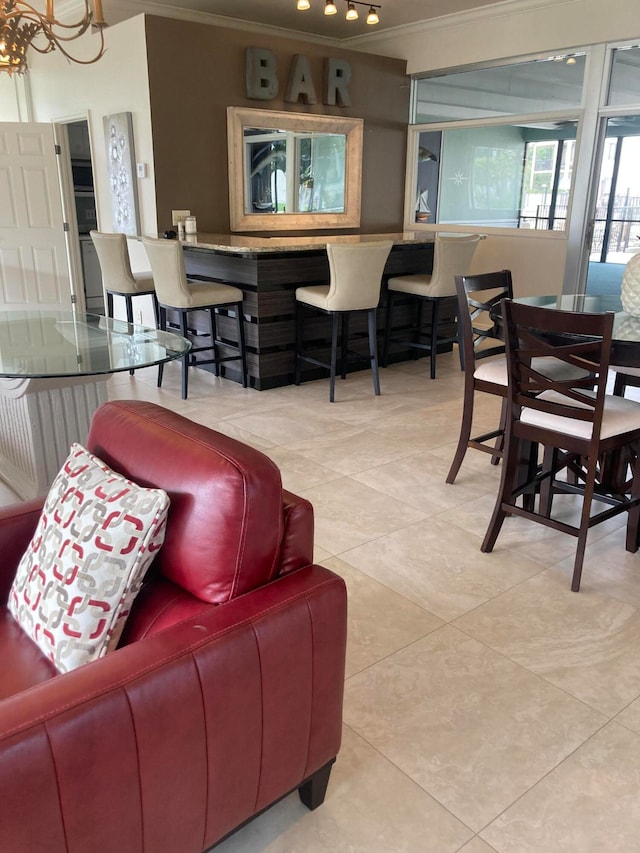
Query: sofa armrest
x=179 y=738
x=296 y=550
x=17 y=525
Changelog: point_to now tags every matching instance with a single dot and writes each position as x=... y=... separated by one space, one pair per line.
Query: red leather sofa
x=225 y=693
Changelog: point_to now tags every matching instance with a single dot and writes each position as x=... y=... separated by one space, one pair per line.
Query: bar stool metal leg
x=298 y=346
x=241 y=343
x=214 y=340
x=373 y=349
x=334 y=356
x=185 y=357
x=129 y=309
x=387 y=327
x=435 y=317
x=162 y=325
x=344 y=349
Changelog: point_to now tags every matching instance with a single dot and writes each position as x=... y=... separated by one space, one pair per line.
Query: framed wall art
x=118 y=131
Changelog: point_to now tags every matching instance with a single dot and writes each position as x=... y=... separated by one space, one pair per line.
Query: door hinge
x=65 y=226
x=74 y=299
x=58 y=149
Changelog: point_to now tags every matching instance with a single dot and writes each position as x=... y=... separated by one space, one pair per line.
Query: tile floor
x=487 y=707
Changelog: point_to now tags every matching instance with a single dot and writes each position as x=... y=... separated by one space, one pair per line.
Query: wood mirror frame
x=238 y=118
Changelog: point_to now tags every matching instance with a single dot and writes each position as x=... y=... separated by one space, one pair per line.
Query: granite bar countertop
x=237 y=243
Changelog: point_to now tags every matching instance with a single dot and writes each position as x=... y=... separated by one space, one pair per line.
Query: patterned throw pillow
x=95 y=539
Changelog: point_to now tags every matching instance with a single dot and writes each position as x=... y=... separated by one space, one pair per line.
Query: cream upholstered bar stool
x=176 y=292
x=355 y=282
x=452 y=256
x=630 y=298
x=117 y=278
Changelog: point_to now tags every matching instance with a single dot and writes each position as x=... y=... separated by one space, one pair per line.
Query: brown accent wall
x=196 y=71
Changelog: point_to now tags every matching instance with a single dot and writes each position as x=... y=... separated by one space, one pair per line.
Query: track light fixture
x=372 y=17
x=330 y=8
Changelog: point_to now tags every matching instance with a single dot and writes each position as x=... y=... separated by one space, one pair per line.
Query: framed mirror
x=290 y=171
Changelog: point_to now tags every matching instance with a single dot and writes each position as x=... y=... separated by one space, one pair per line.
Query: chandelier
x=330 y=8
x=22 y=26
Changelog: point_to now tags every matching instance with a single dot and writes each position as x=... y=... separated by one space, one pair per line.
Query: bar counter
x=268 y=270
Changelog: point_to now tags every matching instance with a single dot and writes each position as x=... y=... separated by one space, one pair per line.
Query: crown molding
x=147 y=7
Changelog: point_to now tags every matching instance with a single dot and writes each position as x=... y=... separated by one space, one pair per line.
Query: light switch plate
x=179 y=215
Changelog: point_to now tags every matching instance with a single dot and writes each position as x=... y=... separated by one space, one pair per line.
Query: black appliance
x=82 y=175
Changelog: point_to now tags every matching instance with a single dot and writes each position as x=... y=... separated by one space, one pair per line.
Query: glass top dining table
x=49 y=344
x=625 y=345
x=54 y=367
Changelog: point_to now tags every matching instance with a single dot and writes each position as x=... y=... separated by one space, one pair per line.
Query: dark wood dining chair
x=483 y=357
x=574 y=420
x=485 y=367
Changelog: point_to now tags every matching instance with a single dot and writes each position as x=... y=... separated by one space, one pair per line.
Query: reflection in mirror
x=289 y=170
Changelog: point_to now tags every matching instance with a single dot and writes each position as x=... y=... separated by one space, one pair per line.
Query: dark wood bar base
x=269 y=281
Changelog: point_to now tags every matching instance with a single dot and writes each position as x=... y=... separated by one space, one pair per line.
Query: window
x=509 y=176
x=475 y=171
x=624 y=84
x=545 y=85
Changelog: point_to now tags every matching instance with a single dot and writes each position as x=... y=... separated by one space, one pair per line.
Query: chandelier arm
x=26 y=10
x=55 y=45
x=46 y=24
x=21 y=25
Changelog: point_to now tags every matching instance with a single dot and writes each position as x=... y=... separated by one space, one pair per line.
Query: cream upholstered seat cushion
x=205 y=293
x=417 y=284
x=619 y=416
x=495 y=370
x=492 y=370
x=315 y=295
x=142 y=282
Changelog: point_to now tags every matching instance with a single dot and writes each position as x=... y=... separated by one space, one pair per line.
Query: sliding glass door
x=615 y=224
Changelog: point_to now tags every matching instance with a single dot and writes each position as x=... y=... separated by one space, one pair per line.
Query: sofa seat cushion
x=22 y=663
x=159 y=605
x=95 y=539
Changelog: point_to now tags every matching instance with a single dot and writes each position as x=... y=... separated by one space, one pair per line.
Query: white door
x=34 y=267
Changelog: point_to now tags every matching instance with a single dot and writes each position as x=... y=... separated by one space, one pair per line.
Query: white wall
x=9 y=106
x=118 y=82
x=537 y=263
x=510 y=30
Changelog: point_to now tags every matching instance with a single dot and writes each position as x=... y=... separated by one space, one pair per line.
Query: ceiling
x=283 y=13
